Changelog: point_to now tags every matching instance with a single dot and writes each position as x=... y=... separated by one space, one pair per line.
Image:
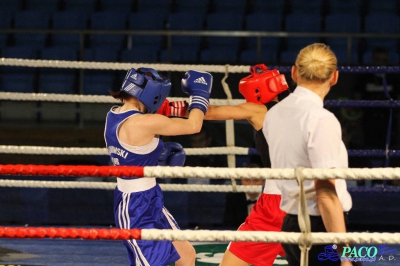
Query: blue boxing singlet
x=124 y=154
x=139 y=202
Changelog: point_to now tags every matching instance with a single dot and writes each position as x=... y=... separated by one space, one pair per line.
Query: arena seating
x=328 y=16
x=305 y=23
x=255 y=15
x=116 y=5
x=54 y=80
x=382 y=22
x=184 y=49
x=42 y=5
x=270 y=46
x=108 y=20
x=19 y=79
x=99 y=81
x=88 y=6
x=343 y=22
x=352 y=7
x=220 y=50
x=11 y=6
x=31 y=19
x=68 y=20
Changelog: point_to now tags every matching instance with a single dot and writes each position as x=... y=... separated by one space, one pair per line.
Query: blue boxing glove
x=172 y=155
x=197 y=85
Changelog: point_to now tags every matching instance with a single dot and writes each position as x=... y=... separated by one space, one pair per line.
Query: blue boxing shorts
x=139 y=203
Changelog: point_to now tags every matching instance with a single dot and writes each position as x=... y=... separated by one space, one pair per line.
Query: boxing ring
x=106 y=235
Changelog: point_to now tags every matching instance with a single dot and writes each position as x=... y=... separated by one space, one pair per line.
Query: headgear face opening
x=146 y=85
x=262 y=85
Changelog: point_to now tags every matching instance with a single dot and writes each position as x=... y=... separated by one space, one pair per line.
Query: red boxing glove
x=177 y=109
x=164 y=108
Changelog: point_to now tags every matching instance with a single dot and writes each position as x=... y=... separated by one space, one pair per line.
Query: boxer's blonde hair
x=316 y=62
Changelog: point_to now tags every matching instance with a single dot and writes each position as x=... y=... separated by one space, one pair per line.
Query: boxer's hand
x=197 y=85
x=176 y=109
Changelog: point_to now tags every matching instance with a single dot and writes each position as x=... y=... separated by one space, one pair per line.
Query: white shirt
x=301 y=133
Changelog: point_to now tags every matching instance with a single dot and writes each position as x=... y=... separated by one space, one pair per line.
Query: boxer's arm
x=253 y=113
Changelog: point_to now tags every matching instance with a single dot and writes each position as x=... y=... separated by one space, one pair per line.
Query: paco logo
x=355 y=254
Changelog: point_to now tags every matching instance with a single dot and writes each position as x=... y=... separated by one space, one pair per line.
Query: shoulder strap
x=270 y=104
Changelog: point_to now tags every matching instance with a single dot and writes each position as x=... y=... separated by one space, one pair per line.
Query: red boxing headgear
x=262 y=85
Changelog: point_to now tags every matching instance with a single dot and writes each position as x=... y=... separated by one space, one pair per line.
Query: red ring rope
x=84 y=233
x=72 y=170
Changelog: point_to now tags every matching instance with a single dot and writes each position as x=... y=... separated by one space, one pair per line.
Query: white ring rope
x=111 y=186
x=273 y=237
x=119 y=66
x=53 y=97
x=267 y=173
x=78 y=98
x=43 y=150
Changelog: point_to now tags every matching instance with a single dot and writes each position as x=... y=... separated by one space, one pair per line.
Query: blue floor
x=68 y=252
x=63 y=252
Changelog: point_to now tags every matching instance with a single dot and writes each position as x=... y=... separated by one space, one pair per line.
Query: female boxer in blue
x=132 y=138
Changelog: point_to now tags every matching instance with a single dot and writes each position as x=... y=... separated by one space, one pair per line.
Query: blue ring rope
x=355 y=153
x=352 y=69
x=389 y=129
x=362 y=103
x=378 y=189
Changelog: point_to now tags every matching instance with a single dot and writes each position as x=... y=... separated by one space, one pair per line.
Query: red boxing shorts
x=265 y=215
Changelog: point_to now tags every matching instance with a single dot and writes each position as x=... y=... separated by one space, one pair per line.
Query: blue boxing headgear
x=146 y=85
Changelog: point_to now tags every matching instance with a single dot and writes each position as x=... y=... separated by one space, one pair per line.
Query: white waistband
x=135 y=185
x=270 y=187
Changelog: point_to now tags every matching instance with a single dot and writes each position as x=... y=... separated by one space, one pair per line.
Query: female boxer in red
x=261 y=89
